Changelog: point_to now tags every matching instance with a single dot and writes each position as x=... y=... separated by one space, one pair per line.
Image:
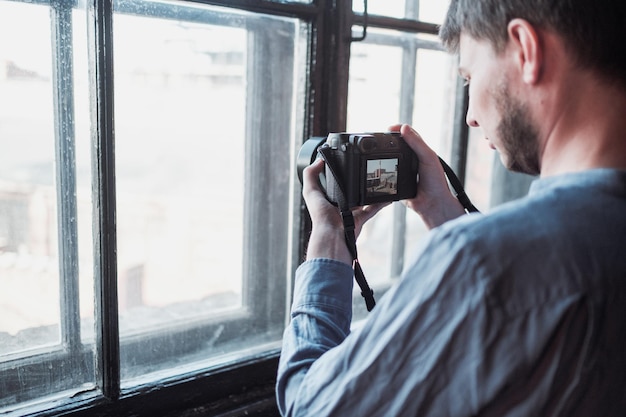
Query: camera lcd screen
x=382 y=177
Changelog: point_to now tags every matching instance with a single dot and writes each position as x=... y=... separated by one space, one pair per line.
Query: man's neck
x=589 y=130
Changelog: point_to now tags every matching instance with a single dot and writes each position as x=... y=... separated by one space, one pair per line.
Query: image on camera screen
x=382 y=177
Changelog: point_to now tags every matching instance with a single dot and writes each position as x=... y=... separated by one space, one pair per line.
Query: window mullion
x=407 y=94
x=411 y=9
x=266 y=258
x=337 y=36
x=103 y=167
x=61 y=20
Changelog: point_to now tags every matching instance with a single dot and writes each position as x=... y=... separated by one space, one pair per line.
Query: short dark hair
x=594 y=30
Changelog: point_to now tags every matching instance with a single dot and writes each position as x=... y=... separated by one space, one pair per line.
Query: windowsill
x=241 y=386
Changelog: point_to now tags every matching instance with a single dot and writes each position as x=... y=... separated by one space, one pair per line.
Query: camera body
x=369 y=167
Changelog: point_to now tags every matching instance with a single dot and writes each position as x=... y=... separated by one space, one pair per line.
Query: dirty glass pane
x=28 y=200
x=46 y=301
x=180 y=122
x=204 y=180
x=432 y=11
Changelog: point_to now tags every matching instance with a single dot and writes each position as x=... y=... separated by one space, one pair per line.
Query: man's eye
x=466 y=82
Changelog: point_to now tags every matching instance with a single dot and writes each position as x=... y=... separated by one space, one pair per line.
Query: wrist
x=437 y=214
x=328 y=241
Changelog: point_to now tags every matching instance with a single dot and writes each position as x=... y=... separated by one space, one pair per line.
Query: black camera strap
x=359 y=276
x=458 y=188
x=348 y=227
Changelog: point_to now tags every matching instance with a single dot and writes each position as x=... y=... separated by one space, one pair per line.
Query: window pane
x=413 y=82
x=480 y=160
x=203 y=179
x=432 y=10
x=28 y=217
x=374 y=87
x=425 y=10
x=435 y=90
x=392 y=8
x=180 y=120
x=46 y=303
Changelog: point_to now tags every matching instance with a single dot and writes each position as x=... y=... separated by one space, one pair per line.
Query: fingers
x=422 y=150
x=310 y=176
x=424 y=153
x=367 y=212
x=322 y=212
x=363 y=214
x=434 y=201
x=311 y=189
x=371 y=210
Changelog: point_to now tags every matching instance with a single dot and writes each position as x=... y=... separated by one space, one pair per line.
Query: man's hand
x=327 y=237
x=434 y=201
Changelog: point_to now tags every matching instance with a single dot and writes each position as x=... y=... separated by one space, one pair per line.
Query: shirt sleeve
x=397 y=357
x=320 y=320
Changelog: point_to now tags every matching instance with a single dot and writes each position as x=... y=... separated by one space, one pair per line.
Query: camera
x=363 y=168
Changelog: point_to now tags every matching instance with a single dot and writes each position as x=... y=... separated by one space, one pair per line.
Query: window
x=150 y=216
x=193 y=208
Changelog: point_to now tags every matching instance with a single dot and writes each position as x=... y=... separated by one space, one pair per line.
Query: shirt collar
x=610 y=180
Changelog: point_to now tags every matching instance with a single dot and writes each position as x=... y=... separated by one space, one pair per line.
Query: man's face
x=504 y=119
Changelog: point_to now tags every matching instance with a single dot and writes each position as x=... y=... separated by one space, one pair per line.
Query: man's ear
x=527 y=49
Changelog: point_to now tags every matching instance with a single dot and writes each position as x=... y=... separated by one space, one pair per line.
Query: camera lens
x=367 y=144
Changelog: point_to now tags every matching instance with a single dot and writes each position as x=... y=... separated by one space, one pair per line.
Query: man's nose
x=469 y=118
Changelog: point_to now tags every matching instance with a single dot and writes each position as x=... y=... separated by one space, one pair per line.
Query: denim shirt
x=518 y=312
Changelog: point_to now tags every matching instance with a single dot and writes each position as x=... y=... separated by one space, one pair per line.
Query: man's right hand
x=327 y=238
x=434 y=201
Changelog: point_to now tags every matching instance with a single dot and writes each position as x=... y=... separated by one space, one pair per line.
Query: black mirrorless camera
x=366 y=168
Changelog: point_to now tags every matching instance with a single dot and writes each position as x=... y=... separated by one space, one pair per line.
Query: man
x=517 y=312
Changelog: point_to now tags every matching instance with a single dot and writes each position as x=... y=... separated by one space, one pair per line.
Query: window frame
x=219 y=389
x=261 y=303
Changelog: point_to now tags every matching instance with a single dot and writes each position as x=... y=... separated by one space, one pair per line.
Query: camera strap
x=458 y=188
x=348 y=227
